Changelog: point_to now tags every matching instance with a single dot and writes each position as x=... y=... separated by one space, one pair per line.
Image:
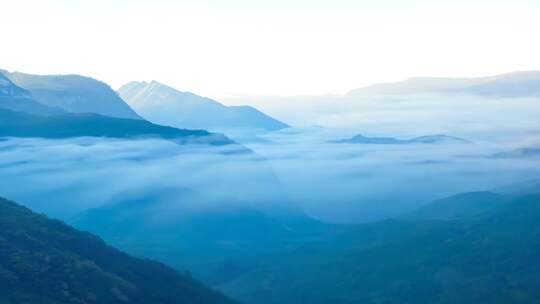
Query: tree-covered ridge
x=477 y=247
x=19 y=124
x=45 y=261
x=491 y=258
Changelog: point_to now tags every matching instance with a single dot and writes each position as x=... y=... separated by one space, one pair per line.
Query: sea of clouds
x=297 y=168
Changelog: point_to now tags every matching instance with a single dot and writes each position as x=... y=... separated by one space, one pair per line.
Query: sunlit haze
x=235 y=48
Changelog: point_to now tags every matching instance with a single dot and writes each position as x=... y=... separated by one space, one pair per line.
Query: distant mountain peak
x=73 y=93
x=9 y=89
x=426 y=139
x=514 y=84
x=166 y=105
x=15 y=98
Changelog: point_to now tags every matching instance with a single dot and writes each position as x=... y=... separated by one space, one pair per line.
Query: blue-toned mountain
x=162 y=104
x=45 y=261
x=74 y=94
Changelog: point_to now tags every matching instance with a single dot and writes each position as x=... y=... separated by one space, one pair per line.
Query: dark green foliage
x=210 y=240
x=489 y=259
x=27 y=105
x=459 y=206
x=477 y=247
x=18 y=124
x=45 y=261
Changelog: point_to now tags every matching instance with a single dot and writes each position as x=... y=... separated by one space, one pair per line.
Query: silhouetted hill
x=520 y=153
x=18 y=124
x=491 y=258
x=427 y=139
x=202 y=237
x=460 y=206
x=520 y=189
x=47 y=262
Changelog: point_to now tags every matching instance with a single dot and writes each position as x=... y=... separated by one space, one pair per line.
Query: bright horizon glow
x=279 y=47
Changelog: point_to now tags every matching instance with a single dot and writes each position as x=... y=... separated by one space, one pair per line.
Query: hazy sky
x=277 y=47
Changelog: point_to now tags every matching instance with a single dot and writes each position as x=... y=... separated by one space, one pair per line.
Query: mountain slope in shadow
x=45 y=261
x=491 y=258
x=19 y=124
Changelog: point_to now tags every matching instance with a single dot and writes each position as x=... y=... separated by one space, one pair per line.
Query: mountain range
x=476 y=242
x=158 y=103
x=483 y=244
x=165 y=105
x=73 y=94
x=197 y=239
x=460 y=206
x=481 y=259
x=45 y=261
x=516 y=84
x=64 y=109
x=427 y=139
x=13 y=97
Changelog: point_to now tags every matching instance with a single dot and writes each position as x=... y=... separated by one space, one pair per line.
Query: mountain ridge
x=73 y=93
x=13 y=97
x=19 y=124
x=425 y=139
x=166 y=105
x=46 y=261
x=513 y=84
x=489 y=259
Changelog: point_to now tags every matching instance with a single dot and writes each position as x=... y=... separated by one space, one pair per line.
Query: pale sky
x=294 y=47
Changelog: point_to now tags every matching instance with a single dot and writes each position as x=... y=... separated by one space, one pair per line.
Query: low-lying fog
x=462 y=115
x=298 y=168
x=294 y=167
